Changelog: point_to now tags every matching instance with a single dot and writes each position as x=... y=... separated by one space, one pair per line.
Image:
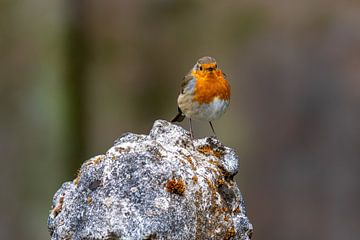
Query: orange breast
x=210 y=85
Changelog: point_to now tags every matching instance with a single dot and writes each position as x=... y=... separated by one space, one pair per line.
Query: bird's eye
x=201 y=68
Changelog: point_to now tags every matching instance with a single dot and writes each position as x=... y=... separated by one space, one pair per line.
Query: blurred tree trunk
x=76 y=61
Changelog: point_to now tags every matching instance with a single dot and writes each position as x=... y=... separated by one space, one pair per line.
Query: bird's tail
x=179 y=117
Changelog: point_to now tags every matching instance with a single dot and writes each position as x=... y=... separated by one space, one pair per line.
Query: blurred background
x=74 y=75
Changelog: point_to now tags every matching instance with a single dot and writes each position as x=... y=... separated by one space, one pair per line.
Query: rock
x=158 y=186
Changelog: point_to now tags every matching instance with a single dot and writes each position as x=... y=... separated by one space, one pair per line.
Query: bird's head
x=206 y=65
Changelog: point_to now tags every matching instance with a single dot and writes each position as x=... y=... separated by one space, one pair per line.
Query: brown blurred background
x=74 y=75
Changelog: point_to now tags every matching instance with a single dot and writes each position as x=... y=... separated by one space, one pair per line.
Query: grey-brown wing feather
x=180 y=116
x=185 y=81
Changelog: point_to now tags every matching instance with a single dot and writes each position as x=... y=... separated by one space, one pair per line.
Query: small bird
x=205 y=93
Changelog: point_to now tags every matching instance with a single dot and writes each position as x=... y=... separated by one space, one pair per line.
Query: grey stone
x=158 y=186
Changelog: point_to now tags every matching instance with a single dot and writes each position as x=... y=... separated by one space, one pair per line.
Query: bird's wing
x=185 y=81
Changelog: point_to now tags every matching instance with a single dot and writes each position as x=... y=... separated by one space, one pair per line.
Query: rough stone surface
x=158 y=186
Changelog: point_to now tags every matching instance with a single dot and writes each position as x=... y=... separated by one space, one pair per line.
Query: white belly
x=205 y=112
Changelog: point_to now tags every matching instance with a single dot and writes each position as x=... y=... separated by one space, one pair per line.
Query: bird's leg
x=213 y=129
x=191 y=131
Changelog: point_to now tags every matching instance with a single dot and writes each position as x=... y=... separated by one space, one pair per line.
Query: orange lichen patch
x=230 y=233
x=77 y=179
x=57 y=209
x=89 y=200
x=207 y=150
x=209 y=85
x=95 y=160
x=195 y=179
x=176 y=186
x=225 y=209
x=217 y=154
x=120 y=149
x=98 y=159
x=189 y=159
x=211 y=186
x=237 y=210
x=220 y=182
x=214 y=207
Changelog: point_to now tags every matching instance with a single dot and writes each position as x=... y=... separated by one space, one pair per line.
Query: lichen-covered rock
x=158 y=186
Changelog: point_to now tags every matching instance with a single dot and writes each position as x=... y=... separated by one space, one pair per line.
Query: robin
x=205 y=93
